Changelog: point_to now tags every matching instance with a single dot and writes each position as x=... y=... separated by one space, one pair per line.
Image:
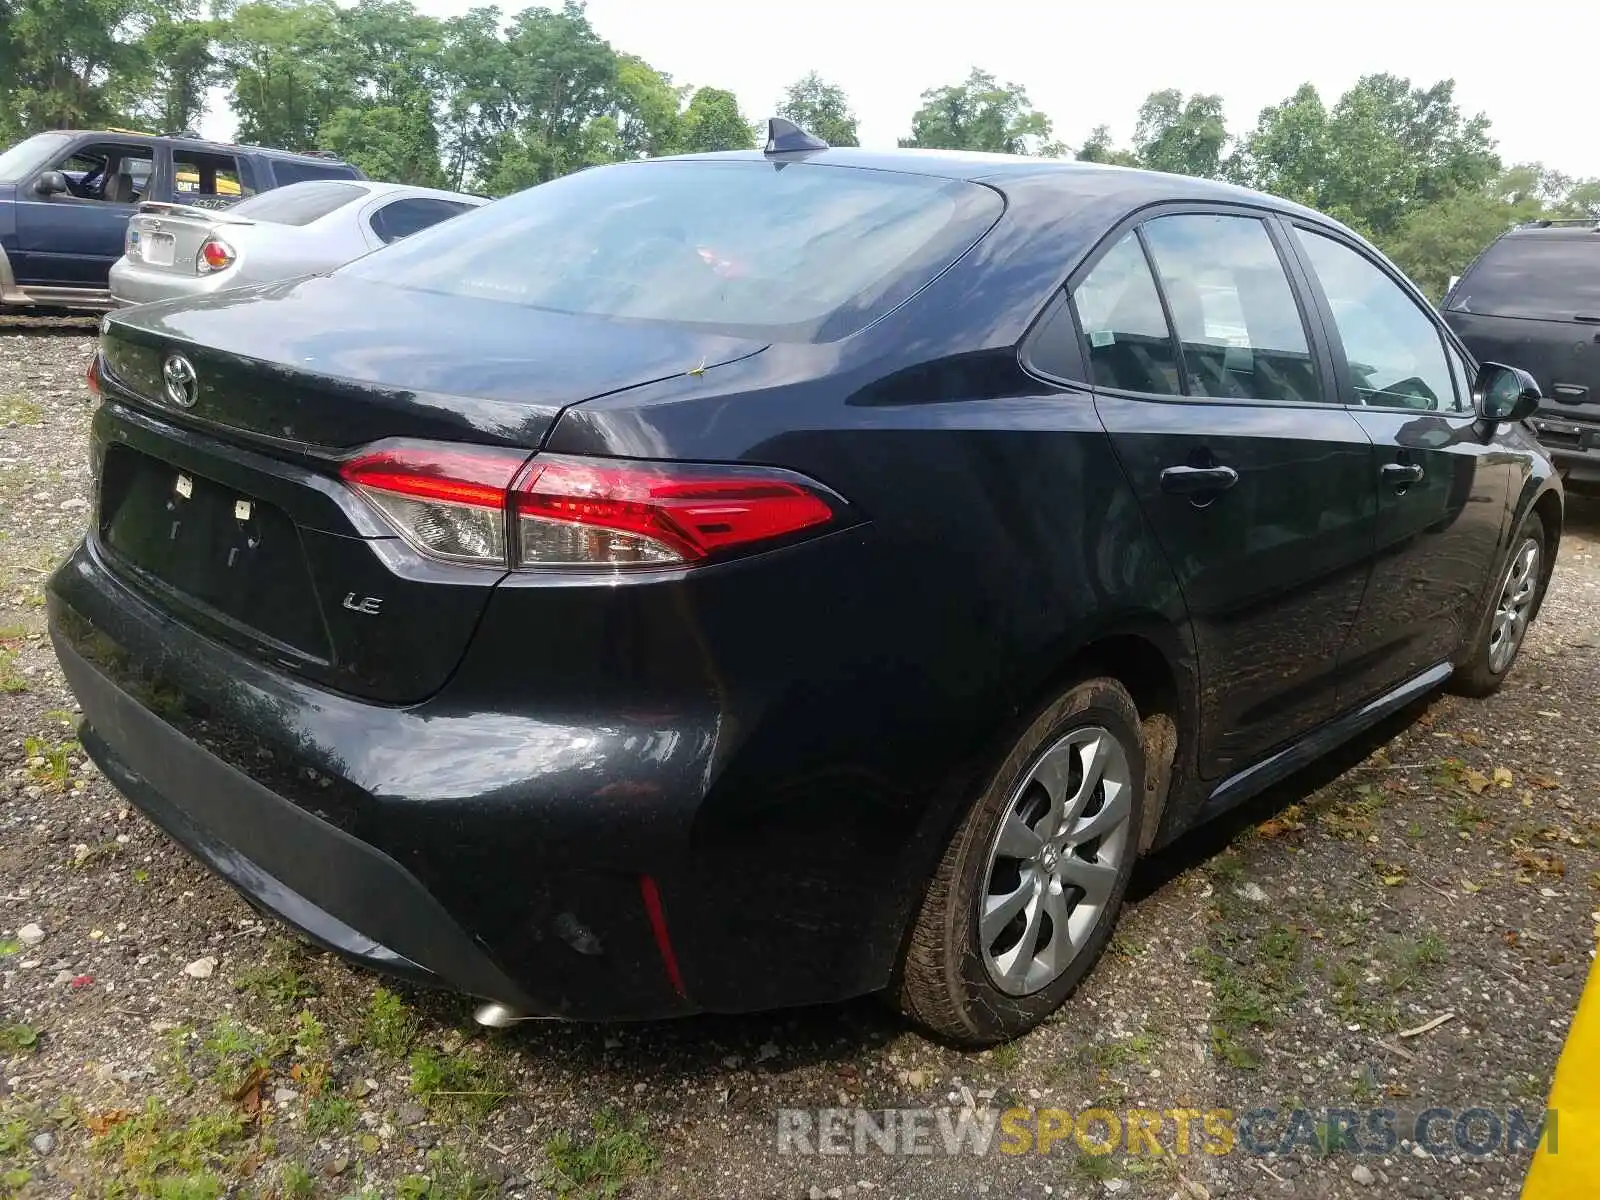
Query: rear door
x=1533 y=300
x=71 y=240
x=1257 y=480
x=1442 y=482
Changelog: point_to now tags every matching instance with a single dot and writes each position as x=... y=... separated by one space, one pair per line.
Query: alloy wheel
x=1514 y=607
x=1055 y=859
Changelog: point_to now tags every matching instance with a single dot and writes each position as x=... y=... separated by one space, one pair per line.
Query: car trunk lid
x=167 y=237
x=229 y=512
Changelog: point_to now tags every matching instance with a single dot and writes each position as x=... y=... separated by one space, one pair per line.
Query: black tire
x=945 y=983
x=1478 y=672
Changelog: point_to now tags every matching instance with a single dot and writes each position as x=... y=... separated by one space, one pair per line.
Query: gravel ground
x=158 y=1039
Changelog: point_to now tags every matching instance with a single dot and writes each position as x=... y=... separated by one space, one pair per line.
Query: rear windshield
x=26 y=156
x=1556 y=278
x=298 y=204
x=786 y=251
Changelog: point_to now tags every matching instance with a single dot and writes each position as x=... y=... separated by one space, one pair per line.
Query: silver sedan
x=178 y=250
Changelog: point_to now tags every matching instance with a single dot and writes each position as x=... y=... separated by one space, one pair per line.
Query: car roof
x=379 y=188
x=1576 y=230
x=1137 y=186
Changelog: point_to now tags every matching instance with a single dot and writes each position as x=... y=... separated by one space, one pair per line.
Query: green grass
x=278 y=984
x=54 y=769
x=457 y=1085
x=330 y=1114
x=11 y=681
x=600 y=1165
x=18 y=1039
x=155 y=1154
x=447 y=1178
x=390 y=1027
x=19 y=410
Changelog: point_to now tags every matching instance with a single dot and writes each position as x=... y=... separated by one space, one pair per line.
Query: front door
x=71 y=239
x=1255 y=478
x=1442 y=482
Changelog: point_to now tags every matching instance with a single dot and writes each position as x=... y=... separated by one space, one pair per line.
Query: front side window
x=1233 y=309
x=1396 y=354
x=109 y=173
x=1119 y=310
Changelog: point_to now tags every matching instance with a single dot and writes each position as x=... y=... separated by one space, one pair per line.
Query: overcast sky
x=1087 y=64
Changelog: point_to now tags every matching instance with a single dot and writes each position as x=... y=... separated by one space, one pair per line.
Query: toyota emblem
x=181 y=385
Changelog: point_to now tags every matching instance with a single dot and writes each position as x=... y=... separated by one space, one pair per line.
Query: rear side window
x=786 y=251
x=294 y=170
x=1120 y=312
x=1233 y=308
x=402 y=218
x=207 y=180
x=299 y=205
x=1555 y=278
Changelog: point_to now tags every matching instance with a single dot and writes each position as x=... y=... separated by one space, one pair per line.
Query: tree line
x=492 y=102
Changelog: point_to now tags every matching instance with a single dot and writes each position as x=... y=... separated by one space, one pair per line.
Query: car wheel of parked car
x=1487 y=657
x=1029 y=888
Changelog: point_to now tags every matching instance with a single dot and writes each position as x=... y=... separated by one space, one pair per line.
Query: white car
x=304 y=228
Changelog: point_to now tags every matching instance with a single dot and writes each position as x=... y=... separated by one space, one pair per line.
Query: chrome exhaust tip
x=502 y=1016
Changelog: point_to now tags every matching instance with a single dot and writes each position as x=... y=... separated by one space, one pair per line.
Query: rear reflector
x=92 y=375
x=483 y=505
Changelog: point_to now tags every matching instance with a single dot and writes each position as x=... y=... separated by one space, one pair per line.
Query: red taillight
x=447 y=501
x=572 y=512
x=215 y=255
x=459 y=503
x=92 y=375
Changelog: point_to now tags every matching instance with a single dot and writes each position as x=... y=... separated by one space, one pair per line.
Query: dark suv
x=66 y=196
x=1533 y=299
x=744 y=580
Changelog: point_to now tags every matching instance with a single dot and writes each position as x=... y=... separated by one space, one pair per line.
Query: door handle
x=1402 y=474
x=1186 y=481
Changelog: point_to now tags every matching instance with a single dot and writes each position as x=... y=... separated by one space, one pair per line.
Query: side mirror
x=51 y=183
x=1503 y=393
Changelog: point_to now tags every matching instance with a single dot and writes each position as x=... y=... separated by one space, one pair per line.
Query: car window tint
x=1395 y=351
x=402 y=218
x=293 y=170
x=792 y=251
x=1233 y=308
x=1119 y=309
x=207 y=180
x=299 y=204
x=1555 y=276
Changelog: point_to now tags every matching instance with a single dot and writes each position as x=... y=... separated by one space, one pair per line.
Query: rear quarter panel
x=864 y=709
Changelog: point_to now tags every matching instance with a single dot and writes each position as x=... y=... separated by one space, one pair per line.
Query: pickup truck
x=66 y=196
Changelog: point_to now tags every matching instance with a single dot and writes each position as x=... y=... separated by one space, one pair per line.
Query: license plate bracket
x=237 y=556
x=159 y=249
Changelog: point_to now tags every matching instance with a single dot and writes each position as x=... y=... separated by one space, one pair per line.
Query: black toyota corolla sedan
x=749 y=580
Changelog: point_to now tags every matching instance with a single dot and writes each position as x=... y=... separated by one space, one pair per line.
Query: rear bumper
x=1577 y=466
x=134 y=283
x=340 y=819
